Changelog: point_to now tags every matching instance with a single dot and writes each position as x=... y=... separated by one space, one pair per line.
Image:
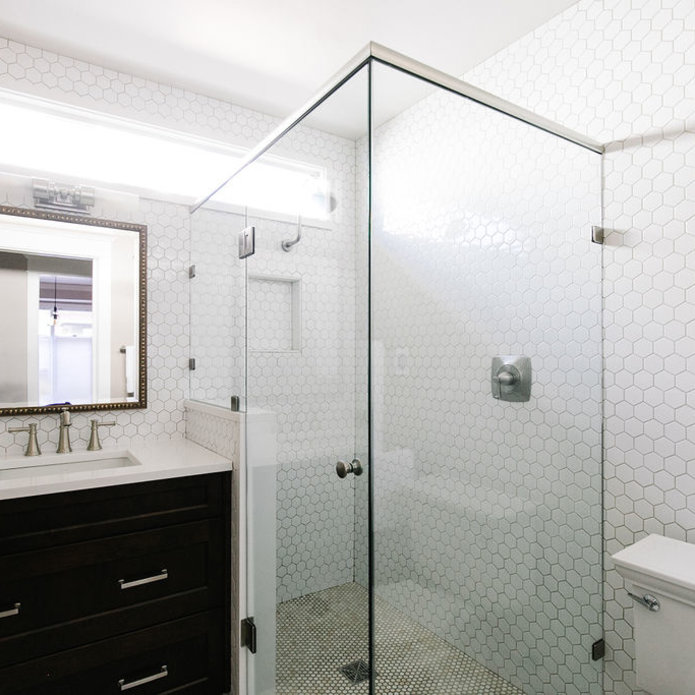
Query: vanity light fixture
x=49 y=195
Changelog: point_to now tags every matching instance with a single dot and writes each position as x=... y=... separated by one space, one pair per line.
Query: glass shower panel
x=217 y=296
x=305 y=400
x=487 y=511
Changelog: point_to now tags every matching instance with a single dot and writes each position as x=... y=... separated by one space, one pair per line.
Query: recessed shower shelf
x=274 y=314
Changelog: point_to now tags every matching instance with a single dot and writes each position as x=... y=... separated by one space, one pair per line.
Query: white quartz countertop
x=22 y=476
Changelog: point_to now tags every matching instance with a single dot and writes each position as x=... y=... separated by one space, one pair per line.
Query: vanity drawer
x=182 y=656
x=70 y=583
x=68 y=517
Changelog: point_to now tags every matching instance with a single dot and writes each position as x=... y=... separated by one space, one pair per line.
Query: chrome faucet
x=64 y=438
x=94 y=443
x=33 y=448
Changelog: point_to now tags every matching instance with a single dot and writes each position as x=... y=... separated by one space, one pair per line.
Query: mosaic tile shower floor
x=320 y=633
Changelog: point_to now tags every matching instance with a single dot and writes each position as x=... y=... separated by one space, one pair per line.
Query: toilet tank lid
x=659 y=557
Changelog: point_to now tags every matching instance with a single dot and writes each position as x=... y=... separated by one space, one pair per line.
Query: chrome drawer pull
x=123 y=685
x=147 y=580
x=12 y=611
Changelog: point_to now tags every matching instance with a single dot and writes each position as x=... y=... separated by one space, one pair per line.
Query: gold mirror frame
x=139 y=229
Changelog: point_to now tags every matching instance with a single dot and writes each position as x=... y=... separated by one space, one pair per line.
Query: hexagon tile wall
x=623 y=71
x=310 y=388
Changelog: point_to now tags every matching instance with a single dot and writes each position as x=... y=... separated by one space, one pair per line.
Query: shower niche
x=274 y=314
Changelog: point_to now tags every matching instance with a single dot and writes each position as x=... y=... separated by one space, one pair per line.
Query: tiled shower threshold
x=320 y=633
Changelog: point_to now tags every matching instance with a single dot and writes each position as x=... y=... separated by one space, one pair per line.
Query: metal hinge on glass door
x=248 y=634
x=247 y=242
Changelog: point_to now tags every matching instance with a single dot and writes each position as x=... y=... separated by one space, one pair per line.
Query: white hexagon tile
x=623 y=71
x=309 y=383
x=218 y=307
x=47 y=74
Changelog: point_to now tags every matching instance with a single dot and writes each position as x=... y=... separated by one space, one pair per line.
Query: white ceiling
x=269 y=55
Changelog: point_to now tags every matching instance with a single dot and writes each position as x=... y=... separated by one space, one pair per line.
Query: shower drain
x=356 y=672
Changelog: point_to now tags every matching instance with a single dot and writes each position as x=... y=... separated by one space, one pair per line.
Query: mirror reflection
x=72 y=312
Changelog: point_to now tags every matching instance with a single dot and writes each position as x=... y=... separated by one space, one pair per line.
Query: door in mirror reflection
x=65 y=335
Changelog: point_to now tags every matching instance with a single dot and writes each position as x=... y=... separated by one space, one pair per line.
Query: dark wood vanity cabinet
x=117 y=589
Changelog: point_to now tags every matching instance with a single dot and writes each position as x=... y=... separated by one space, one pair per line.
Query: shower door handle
x=343 y=469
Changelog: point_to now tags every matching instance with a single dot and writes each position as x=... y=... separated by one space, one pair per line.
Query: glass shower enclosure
x=404 y=295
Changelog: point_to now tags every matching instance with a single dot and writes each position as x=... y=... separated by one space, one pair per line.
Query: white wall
x=623 y=72
x=124 y=311
x=13 y=348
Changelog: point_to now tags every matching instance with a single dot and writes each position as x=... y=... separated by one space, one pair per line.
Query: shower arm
x=287 y=244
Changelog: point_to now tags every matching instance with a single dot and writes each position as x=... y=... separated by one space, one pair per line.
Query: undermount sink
x=59 y=467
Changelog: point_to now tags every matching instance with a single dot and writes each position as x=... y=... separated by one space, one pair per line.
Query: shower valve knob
x=510 y=378
x=342 y=468
x=507 y=377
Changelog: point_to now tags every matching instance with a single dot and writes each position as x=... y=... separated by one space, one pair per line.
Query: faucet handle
x=94 y=442
x=33 y=448
x=64 y=446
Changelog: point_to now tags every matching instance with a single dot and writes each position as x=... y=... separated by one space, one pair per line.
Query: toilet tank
x=663 y=569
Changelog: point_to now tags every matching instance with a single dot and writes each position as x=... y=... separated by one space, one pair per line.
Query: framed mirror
x=75 y=305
